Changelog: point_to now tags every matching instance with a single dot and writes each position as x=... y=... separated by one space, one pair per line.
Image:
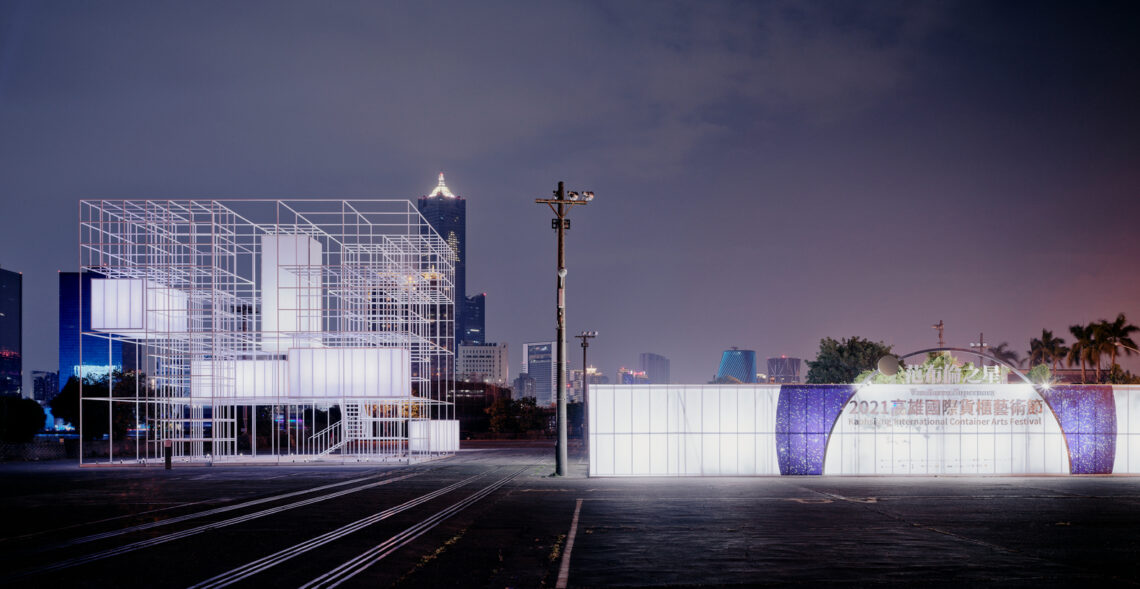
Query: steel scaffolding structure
x=270 y=330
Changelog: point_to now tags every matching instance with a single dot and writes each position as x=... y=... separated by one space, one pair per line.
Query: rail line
x=209 y=512
x=134 y=546
x=252 y=568
x=102 y=521
x=358 y=564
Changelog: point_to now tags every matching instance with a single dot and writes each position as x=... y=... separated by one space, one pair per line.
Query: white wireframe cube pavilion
x=271 y=329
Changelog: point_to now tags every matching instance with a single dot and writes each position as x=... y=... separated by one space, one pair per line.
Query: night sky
x=767 y=174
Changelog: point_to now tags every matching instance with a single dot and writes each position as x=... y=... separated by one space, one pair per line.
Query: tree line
x=1094 y=348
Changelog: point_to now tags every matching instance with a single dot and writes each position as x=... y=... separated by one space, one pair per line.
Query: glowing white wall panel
x=356 y=373
x=117 y=305
x=307 y=374
x=440 y=435
x=682 y=430
x=245 y=379
x=137 y=308
x=291 y=293
x=1127 y=429
x=949 y=429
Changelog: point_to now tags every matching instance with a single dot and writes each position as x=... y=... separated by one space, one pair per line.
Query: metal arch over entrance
x=1011 y=367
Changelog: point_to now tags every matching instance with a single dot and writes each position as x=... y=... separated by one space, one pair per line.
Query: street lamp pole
x=561 y=204
x=586 y=336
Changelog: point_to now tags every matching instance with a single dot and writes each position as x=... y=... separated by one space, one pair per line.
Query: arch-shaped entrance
x=948 y=424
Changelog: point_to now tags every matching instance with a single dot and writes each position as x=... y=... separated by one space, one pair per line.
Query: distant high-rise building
x=45 y=385
x=100 y=355
x=538 y=360
x=594 y=376
x=784 y=370
x=482 y=363
x=11 y=333
x=627 y=376
x=474 y=325
x=523 y=387
x=737 y=366
x=447 y=214
x=655 y=367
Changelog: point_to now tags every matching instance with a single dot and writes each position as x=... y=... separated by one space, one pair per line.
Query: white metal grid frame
x=374 y=274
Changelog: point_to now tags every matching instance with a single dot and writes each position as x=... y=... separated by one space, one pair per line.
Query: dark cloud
x=768 y=173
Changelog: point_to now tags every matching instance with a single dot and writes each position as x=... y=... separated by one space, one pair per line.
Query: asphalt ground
x=493 y=517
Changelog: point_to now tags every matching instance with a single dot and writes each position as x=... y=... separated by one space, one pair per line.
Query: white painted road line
x=564 y=573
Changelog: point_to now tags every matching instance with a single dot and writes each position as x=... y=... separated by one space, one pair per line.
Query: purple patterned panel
x=1087 y=414
x=805 y=415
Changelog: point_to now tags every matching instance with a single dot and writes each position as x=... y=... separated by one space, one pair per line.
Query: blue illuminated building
x=99 y=355
x=737 y=366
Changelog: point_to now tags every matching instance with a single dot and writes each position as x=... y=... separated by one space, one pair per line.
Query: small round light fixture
x=889 y=365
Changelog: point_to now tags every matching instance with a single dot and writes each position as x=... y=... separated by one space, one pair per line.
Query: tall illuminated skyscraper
x=447 y=214
x=11 y=332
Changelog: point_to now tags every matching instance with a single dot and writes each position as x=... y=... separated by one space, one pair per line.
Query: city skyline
x=767 y=175
x=304 y=294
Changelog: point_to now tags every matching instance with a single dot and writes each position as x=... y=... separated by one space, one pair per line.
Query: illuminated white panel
x=438 y=435
x=659 y=453
x=1128 y=429
x=357 y=373
x=137 y=309
x=117 y=305
x=678 y=430
x=256 y=379
x=925 y=430
x=745 y=414
x=291 y=294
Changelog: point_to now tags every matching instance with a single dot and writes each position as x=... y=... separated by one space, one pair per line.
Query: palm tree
x=1118 y=334
x=1081 y=350
x=1037 y=353
x=1047 y=349
x=1003 y=353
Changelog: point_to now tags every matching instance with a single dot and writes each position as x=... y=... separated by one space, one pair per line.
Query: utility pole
x=940 y=326
x=561 y=205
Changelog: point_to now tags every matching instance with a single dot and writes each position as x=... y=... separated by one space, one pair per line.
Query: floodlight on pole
x=982 y=346
x=561 y=205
